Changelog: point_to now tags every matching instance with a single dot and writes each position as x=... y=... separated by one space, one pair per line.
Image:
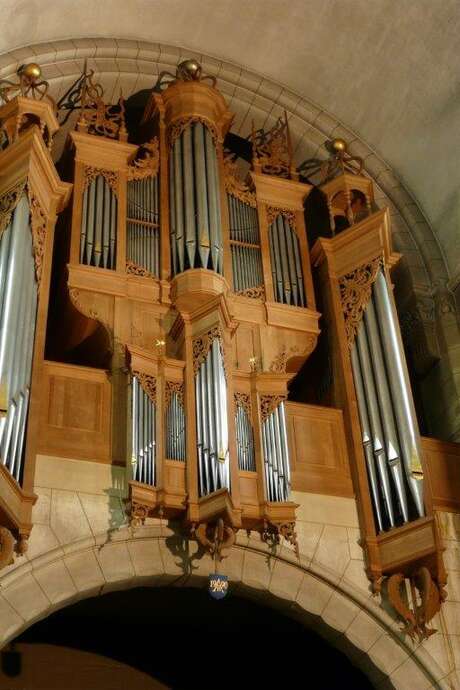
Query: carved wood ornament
x=272 y=532
x=253 y=292
x=181 y=124
x=134 y=269
x=6 y=547
x=273 y=212
x=269 y=403
x=235 y=186
x=110 y=176
x=38 y=223
x=171 y=388
x=243 y=400
x=8 y=203
x=278 y=366
x=147 y=166
x=355 y=293
x=148 y=384
x=416 y=616
x=215 y=538
x=202 y=344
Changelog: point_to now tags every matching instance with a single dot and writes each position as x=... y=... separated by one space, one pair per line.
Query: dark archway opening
x=184 y=639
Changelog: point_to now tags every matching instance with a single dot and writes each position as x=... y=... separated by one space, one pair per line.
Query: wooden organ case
x=184 y=305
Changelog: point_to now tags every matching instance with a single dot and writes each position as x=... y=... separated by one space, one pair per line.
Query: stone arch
x=157 y=555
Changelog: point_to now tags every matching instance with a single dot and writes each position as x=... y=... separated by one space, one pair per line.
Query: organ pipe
x=212 y=423
x=175 y=429
x=142 y=227
x=276 y=455
x=244 y=440
x=98 y=234
x=195 y=209
x=388 y=422
x=143 y=418
x=245 y=245
x=18 y=311
x=286 y=263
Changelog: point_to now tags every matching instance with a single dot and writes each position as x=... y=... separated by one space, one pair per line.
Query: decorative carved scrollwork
x=202 y=344
x=181 y=124
x=30 y=85
x=6 y=547
x=172 y=387
x=269 y=403
x=416 y=616
x=278 y=366
x=136 y=270
x=110 y=176
x=96 y=117
x=243 y=400
x=38 y=225
x=355 y=293
x=273 y=212
x=272 y=150
x=272 y=532
x=149 y=164
x=138 y=514
x=253 y=292
x=235 y=186
x=8 y=203
x=148 y=384
x=215 y=538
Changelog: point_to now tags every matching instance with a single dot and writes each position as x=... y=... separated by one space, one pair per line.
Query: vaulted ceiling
x=383 y=73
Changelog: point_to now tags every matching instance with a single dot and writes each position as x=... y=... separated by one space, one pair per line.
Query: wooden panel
x=408 y=543
x=175 y=476
x=442 y=473
x=318 y=452
x=75 y=415
x=248 y=487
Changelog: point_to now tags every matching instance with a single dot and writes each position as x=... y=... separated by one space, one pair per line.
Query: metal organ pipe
x=143 y=412
x=98 y=225
x=195 y=210
x=286 y=263
x=212 y=424
x=143 y=224
x=276 y=455
x=245 y=245
x=387 y=414
x=19 y=296
x=175 y=429
x=403 y=403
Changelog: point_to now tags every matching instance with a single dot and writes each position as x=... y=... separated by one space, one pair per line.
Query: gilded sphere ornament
x=190 y=69
x=32 y=71
x=339 y=145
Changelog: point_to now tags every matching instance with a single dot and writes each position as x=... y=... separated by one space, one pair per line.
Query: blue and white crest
x=218 y=586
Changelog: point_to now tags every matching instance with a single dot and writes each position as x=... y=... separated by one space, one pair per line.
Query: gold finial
x=32 y=71
x=189 y=70
x=339 y=145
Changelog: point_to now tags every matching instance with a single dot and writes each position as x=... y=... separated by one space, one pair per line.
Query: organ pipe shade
x=175 y=429
x=195 y=204
x=286 y=263
x=276 y=455
x=245 y=245
x=244 y=440
x=98 y=237
x=143 y=224
x=18 y=313
x=212 y=422
x=143 y=419
x=388 y=423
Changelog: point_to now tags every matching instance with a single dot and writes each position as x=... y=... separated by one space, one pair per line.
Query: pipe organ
x=198 y=282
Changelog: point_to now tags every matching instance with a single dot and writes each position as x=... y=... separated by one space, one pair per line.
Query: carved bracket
x=355 y=293
x=9 y=545
x=279 y=364
x=215 y=537
x=271 y=534
x=417 y=607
